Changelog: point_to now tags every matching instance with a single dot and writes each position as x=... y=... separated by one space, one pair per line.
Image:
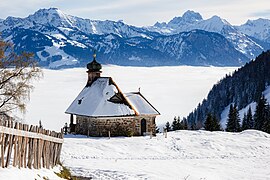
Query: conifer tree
x=260 y=113
x=184 y=124
x=266 y=123
x=174 y=124
x=244 y=122
x=168 y=126
x=208 y=124
x=211 y=123
x=233 y=122
x=216 y=124
x=250 y=120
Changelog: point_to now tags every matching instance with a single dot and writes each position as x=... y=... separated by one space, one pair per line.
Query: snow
x=173 y=91
x=189 y=155
x=259 y=28
x=140 y=104
x=13 y=173
x=55 y=50
x=135 y=58
x=94 y=101
x=225 y=112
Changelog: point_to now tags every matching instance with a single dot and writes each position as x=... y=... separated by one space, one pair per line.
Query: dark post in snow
x=72 y=125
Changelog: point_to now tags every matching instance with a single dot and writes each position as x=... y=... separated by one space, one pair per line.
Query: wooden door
x=143 y=127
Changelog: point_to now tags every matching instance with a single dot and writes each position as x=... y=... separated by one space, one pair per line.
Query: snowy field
x=172 y=90
x=184 y=155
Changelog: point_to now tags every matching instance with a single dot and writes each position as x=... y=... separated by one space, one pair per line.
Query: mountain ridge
x=69 y=40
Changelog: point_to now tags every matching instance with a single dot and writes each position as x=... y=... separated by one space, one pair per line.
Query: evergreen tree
x=175 y=124
x=216 y=124
x=211 y=123
x=168 y=126
x=208 y=124
x=233 y=122
x=250 y=120
x=184 y=124
x=260 y=114
x=193 y=125
x=244 y=122
x=266 y=123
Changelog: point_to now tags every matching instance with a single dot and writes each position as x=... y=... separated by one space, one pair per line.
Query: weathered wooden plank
x=26 y=144
x=29 y=134
x=30 y=150
x=20 y=146
x=48 y=152
x=10 y=143
x=2 y=148
x=22 y=149
x=15 y=145
x=35 y=149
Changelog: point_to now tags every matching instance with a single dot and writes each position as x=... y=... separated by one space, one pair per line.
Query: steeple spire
x=93 y=69
x=94 y=66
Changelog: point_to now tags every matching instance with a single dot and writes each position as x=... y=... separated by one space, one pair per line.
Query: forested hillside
x=241 y=88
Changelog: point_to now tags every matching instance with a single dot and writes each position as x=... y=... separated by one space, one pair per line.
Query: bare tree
x=17 y=73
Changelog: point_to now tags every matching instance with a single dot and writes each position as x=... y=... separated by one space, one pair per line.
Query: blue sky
x=142 y=12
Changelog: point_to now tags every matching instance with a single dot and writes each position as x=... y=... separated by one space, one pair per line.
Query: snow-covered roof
x=104 y=99
x=140 y=104
x=95 y=101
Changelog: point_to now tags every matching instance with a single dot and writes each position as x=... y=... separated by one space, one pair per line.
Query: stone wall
x=118 y=126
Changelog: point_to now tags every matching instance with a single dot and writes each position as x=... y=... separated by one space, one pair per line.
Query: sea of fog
x=173 y=91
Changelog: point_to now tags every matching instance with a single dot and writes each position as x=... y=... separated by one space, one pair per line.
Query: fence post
x=31 y=148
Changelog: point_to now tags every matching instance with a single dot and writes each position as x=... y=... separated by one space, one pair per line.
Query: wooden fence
x=29 y=146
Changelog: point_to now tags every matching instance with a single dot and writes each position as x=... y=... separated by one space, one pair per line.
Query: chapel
x=102 y=109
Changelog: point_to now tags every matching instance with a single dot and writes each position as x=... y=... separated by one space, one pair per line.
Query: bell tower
x=93 y=70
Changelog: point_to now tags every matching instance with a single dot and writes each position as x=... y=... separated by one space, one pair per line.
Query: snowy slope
x=189 y=155
x=259 y=29
x=172 y=91
x=225 y=112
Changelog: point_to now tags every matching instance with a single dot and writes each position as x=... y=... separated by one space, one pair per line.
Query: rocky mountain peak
x=192 y=16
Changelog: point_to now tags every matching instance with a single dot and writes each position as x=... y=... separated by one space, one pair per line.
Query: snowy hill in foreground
x=188 y=155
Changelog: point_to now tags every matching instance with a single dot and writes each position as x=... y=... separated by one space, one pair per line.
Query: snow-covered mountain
x=56 y=18
x=192 y=20
x=60 y=40
x=259 y=29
